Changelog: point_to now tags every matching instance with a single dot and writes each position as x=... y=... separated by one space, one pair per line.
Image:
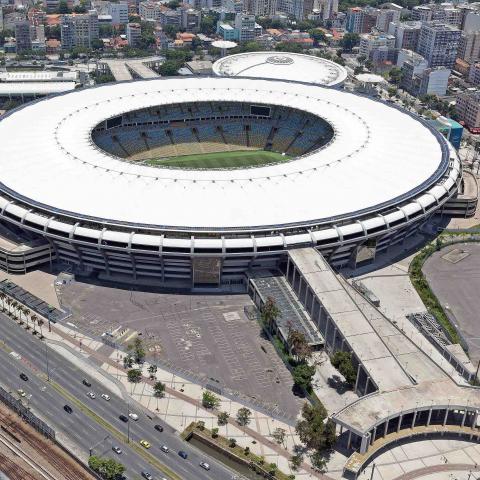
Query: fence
x=18 y=407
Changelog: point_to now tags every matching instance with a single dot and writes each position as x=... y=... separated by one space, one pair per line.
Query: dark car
x=86 y=382
x=183 y=454
x=23 y=377
x=68 y=408
x=159 y=428
x=123 y=418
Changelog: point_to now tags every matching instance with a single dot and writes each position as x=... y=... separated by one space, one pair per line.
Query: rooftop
x=282 y=66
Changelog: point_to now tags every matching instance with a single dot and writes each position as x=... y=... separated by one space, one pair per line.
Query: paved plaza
x=454 y=276
x=208 y=336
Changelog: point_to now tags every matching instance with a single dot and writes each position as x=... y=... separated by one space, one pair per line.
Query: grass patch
x=224 y=443
x=426 y=294
x=238 y=159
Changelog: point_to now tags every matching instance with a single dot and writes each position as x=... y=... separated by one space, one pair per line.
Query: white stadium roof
x=34 y=88
x=282 y=66
x=378 y=154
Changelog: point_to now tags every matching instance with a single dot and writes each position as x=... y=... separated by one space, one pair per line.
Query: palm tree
x=26 y=312
x=14 y=306
x=2 y=298
x=40 y=322
x=158 y=391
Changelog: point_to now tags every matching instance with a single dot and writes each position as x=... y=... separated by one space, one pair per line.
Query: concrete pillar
x=358 y=377
x=446 y=416
x=386 y=428
x=326 y=331
x=429 y=416
x=366 y=385
x=414 y=418
x=474 y=421
x=374 y=435
x=364 y=444
x=400 y=418
x=349 y=441
x=288 y=268
x=305 y=298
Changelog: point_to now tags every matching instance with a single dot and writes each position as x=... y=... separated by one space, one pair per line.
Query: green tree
x=158 y=391
x=210 y=400
x=349 y=41
x=107 y=468
x=296 y=461
x=395 y=75
x=342 y=361
x=316 y=432
x=279 y=435
x=152 y=370
x=244 y=416
x=138 y=351
x=222 y=418
x=169 y=68
x=319 y=462
x=232 y=442
x=302 y=376
x=127 y=361
x=63 y=8
x=270 y=312
x=215 y=432
x=170 y=30
x=299 y=345
x=134 y=376
x=291 y=47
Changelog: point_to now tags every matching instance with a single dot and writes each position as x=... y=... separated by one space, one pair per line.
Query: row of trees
x=212 y=402
x=136 y=355
x=22 y=313
x=300 y=351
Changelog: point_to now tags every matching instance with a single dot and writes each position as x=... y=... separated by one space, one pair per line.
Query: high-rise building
x=302 y=8
x=261 y=7
x=246 y=27
x=22 y=36
x=438 y=44
x=118 y=12
x=191 y=19
x=79 y=30
x=361 y=20
x=134 y=34
x=406 y=34
x=469 y=47
x=467 y=107
x=443 y=12
x=384 y=17
x=369 y=42
x=328 y=8
x=471 y=22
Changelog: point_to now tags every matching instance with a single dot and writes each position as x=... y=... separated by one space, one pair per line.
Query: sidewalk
x=182 y=402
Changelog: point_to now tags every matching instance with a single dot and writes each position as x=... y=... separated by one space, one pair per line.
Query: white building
x=134 y=34
x=119 y=13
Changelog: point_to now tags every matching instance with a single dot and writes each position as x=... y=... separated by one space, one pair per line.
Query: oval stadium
x=195 y=181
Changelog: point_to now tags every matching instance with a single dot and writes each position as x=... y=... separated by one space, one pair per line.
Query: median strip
x=116 y=433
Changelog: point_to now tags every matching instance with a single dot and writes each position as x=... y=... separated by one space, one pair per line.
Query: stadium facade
x=366 y=182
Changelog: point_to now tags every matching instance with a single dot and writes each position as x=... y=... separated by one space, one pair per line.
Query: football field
x=238 y=159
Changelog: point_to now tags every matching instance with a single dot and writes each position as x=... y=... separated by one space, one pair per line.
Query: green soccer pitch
x=238 y=159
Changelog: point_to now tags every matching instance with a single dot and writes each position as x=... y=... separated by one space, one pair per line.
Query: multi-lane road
x=95 y=423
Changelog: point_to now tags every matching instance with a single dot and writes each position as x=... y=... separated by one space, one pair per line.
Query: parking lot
x=454 y=276
x=207 y=335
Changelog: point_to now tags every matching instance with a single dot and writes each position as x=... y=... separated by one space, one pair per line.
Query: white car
x=205 y=465
x=91 y=395
x=106 y=397
x=133 y=416
x=117 y=450
x=164 y=448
